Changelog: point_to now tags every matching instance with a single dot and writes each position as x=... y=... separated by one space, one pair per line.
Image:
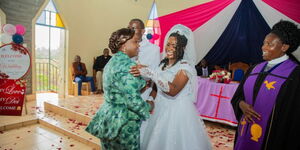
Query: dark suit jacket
x=76 y=72
x=199 y=70
x=100 y=62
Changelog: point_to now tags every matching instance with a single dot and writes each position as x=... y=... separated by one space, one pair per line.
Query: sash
x=251 y=135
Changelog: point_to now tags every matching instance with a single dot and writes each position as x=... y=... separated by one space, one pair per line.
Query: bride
x=175 y=124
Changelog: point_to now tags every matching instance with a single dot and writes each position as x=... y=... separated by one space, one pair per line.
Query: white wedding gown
x=175 y=124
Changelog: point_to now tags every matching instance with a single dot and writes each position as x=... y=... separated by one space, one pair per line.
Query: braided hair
x=180 y=46
x=118 y=38
x=289 y=34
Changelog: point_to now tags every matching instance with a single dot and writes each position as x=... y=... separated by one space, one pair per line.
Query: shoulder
x=185 y=65
x=121 y=64
x=296 y=72
x=154 y=47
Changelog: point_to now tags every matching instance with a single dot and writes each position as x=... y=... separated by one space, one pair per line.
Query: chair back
x=238 y=65
x=238 y=75
x=70 y=75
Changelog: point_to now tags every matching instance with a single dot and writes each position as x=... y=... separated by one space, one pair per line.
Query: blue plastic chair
x=238 y=75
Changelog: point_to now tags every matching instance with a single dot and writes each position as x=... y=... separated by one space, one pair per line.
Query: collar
x=121 y=54
x=278 y=60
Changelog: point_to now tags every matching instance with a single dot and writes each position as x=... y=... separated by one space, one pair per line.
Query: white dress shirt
x=149 y=55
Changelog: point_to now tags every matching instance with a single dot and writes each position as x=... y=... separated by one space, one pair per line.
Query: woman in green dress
x=117 y=123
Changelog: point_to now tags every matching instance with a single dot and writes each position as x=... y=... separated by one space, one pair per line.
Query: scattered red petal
x=76 y=106
x=71 y=145
x=58 y=148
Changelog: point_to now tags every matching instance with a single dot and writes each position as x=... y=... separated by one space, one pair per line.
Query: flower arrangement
x=220 y=76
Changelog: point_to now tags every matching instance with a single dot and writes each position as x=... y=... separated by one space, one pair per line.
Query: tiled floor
x=37 y=137
x=34 y=109
x=221 y=136
x=87 y=105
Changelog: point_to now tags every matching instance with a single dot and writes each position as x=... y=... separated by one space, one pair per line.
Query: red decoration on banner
x=20 y=48
x=12 y=94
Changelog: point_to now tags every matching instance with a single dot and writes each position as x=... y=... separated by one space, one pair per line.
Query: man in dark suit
x=203 y=69
x=98 y=67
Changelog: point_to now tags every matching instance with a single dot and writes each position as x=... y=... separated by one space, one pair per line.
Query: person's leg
x=98 y=80
x=91 y=80
x=79 y=82
x=101 y=80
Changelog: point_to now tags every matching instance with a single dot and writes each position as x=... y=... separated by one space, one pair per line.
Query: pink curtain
x=192 y=17
x=290 y=8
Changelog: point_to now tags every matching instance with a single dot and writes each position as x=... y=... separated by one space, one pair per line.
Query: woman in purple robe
x=267 y=101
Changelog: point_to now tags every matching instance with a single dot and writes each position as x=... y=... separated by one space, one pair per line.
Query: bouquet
x=220 y=76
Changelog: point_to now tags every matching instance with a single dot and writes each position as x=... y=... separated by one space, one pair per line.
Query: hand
x=134 y=70
x=148 y=85
x=248 y=112
x=151 y=103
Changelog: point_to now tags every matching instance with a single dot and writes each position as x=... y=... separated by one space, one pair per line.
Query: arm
x=75 y=71
x=239 y=104
x=84 y=71
x=154 y=91
x=178 y=83
x=170 y=88
x=94 y=75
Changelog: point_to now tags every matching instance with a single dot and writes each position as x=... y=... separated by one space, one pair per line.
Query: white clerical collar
x=278 y=60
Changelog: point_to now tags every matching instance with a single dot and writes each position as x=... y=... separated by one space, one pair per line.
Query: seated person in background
x=79 y=73
x=203 y=69
x=98 y=67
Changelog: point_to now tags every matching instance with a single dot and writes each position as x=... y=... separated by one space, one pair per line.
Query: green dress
x=117 y=123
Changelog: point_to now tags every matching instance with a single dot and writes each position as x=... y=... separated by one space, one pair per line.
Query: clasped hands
x=134 y=70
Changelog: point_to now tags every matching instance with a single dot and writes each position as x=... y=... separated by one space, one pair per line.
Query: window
x=50 y=49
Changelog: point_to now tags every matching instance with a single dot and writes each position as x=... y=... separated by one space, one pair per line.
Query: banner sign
x=14 y=65
x=14 y=61
x=12 y=94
